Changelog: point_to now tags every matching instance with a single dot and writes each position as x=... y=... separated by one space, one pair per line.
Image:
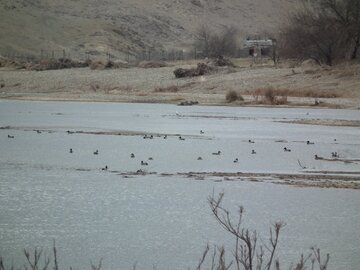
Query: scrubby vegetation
x=168 y=89
x=209 y=67
x=232 y=96
x=201 y=69
x=152 y=64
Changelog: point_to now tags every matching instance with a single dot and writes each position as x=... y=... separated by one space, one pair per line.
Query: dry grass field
x=288 y=84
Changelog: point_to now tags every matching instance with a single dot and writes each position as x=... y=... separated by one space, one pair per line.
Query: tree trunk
x=356 y=47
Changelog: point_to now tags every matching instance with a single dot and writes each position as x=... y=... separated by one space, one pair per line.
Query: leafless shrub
x=232 y=96
x=310 y=71
x=96 y=267
x=152 y=64
x=270 y=95
x=94 y=86
x=54 y=64
x=97 y=65
x=201 y=69
x=168 y=89
x=276 y=96
x=247 y=253
x=36 y=261
x=212 y=44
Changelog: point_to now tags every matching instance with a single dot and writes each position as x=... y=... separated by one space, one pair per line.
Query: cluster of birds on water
x=218 y=153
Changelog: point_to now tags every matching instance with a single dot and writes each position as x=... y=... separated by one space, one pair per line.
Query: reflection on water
x=48 y=193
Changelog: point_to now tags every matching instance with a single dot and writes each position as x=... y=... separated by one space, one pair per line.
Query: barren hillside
x=119 y=26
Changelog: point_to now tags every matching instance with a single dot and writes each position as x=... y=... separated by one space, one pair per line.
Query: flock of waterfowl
x=218 y=153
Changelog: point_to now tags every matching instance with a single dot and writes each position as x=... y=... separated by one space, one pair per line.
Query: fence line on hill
x=128 y=56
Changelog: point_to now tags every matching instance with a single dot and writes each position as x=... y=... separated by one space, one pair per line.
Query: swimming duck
x=144 y=163
x=334 y=154
x=287 y=149
x=132 y=155
x=199 y=158
x=250 y=141
x=96 y=152
x=217 y=153
x=148 y=137
x=105 y=168
x=236 y=160
x=181 y=138
x=71 y=151
x=202 y=132
x=10 y=137
x=165 y=137
x=151 y=158
x=308 y=142
x=253 y=152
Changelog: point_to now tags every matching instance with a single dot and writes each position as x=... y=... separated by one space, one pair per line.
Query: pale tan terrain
x=338 y=86
x=116 y=26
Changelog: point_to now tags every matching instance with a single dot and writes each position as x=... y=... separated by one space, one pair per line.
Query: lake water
x=47 y=193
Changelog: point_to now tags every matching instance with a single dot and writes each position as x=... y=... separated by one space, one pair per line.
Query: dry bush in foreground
x=247 y=253
x=36 y=261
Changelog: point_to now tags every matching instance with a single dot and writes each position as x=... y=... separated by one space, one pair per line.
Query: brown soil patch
x=325 y=122
x=320 y=180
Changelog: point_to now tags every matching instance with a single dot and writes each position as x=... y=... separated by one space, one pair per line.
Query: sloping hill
x=119 y=26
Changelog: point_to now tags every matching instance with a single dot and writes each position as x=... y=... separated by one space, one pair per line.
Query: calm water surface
x=47 y=193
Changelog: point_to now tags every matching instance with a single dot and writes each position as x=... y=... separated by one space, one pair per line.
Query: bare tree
x=324 y=30
x=314 y=35
x=203 y=40
x=347 y=15
x=213 y=44
x=248 y=254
